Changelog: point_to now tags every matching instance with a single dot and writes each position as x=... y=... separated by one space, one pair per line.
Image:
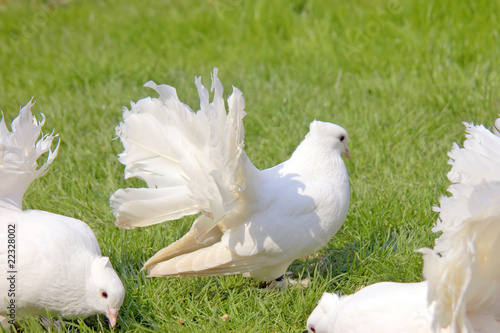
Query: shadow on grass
x=330 y=264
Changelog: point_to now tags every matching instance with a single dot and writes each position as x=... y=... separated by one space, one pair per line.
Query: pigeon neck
x=319 y=160
x=13 y=188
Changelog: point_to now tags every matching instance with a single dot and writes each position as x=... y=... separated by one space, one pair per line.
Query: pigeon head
x=329 y=134
x=321 y=319
x=105 y=290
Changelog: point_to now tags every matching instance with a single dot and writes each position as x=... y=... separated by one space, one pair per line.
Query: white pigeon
x=50 y=264
x=252 y=222
x=461 y=291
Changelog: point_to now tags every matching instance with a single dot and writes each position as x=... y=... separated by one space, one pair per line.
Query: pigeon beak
x=347 y=154
x=112 y=314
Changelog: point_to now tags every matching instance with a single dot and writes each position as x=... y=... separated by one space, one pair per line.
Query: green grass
x=400 y=76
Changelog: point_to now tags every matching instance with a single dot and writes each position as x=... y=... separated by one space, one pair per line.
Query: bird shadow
x=330 y=264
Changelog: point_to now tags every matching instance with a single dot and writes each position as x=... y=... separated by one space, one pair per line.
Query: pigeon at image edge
x=58 y=267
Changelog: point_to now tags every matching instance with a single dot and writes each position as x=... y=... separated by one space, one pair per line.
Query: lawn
x=400 y=76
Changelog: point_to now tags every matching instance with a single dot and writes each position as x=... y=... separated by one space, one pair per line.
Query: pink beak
x=112 y=315
x=347 y=154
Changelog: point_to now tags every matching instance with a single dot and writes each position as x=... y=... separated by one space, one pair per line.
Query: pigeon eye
x=104 y=294
x=341 y=138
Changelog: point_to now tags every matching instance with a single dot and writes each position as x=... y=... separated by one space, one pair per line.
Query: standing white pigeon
x=461 y=292
x=252 y=222
x=49 y=263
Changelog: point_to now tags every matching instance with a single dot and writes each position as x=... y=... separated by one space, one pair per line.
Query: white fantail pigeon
x=52 y=264
x=252 y=222
x=461 y=291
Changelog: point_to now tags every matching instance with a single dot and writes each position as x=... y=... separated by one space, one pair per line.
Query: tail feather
x=209 y=261
x=463 y=269
x=19 y=152
x=213 y=260
x=476 y=162
x=190 y=242
x=199 y=154
x=154 y=206
x=478 y=159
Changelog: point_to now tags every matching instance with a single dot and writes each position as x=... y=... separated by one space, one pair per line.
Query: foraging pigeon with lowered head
x=52 y=263
x=252 y=222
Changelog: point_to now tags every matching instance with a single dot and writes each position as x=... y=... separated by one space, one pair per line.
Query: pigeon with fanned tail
x=461 y=291
x=252 y=222
x=52 y=264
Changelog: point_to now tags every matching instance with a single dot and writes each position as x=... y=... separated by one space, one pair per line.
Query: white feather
x=19 y=152
x=385 y=307
x=464 y=267
x=196 y=155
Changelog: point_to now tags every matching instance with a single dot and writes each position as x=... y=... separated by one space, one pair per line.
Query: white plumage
x=252 y=222
x=462 y=273
x=55 y=264
x=385 y=307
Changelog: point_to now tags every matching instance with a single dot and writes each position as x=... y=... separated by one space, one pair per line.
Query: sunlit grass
x=399 y=76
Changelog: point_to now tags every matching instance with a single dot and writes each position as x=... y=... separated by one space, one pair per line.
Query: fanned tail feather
x=209 y=261
x=190 y=242
x=19 y=152
x=476 y=162
x=463 y=269
x=191 y=161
